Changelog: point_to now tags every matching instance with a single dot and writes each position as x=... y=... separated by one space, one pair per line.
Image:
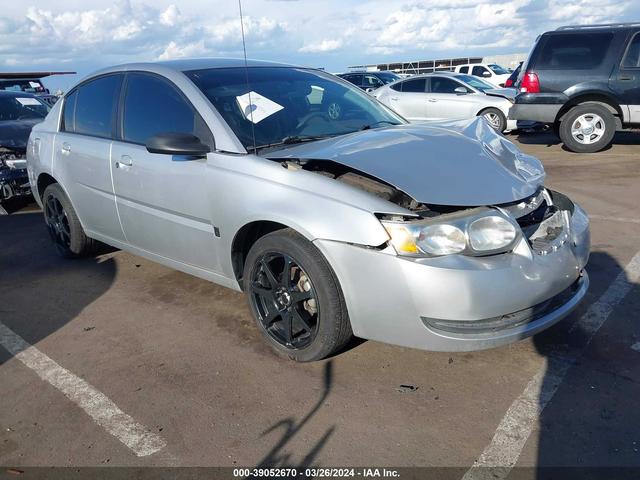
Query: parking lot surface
x=182 y=359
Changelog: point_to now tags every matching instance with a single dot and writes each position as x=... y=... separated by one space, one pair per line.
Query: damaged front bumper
x=14 y=180
x=460 y=303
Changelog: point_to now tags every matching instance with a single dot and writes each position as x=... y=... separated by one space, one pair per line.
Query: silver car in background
x=335 y=216
x=448 y=96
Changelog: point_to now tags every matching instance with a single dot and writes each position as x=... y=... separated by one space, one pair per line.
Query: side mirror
x=184 y=144
x=369 y=90
x=486 y=74
x=461 y=91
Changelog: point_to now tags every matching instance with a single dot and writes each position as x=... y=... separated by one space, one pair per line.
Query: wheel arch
x=598 y=98
x=43 y=181
x=247 y=236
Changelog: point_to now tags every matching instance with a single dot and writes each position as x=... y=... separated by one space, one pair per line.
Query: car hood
x=15 y=133
x=462 y=163
x=507 y=92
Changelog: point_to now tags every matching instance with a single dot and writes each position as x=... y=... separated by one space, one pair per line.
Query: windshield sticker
x=34 y=84
x=256 y=108
x=27 y=101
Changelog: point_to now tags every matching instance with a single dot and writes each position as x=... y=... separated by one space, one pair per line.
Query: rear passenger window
x=464 y=69
x=632 y=58
x=153 y=106
x=444 y=85
x=95 y=105
x=416 y=85
x=568 y=51
x=68 y=113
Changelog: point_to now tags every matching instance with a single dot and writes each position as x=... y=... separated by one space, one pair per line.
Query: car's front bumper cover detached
x=460 y=303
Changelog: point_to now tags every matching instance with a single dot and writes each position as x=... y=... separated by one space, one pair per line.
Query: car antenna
x=246 y=70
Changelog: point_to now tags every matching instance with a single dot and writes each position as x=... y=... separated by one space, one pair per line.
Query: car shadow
x=549 y=139
x=589 y=417
x=40 y=292
x=277 y=457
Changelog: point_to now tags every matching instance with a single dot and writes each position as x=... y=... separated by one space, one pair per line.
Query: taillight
x=508 y=83
x=530 y=83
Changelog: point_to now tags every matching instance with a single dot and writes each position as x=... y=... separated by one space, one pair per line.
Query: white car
x=491 y=72
x=448 y=96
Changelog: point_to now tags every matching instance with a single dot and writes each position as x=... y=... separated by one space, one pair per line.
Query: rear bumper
x=537 y=107
x=534 y=112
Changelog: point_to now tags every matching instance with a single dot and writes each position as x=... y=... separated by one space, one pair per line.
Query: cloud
x=304 y=32
x=323 y=46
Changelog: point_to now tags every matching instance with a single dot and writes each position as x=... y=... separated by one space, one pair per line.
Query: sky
x=85 y=35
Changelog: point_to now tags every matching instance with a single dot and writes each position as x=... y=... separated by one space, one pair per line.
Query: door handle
x=625 y=78
x=432 y=100
x=66 y=148
x=125 y=162
x=394 y=98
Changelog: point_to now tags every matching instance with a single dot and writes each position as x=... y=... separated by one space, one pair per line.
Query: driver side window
x=153 y=106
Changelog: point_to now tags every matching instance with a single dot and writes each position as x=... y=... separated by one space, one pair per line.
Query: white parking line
x=614 y=219
x=98 y=406
x=516 y=426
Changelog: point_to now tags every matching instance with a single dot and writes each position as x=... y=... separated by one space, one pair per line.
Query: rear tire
x=496 y=119
x=587 y=128
x=295 y=297
x=63 y=224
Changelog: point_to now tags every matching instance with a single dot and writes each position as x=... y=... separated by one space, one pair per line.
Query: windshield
x=476 y=82
x=21 y=108
x=288 y=105
x=498 y=70
x=29 y=86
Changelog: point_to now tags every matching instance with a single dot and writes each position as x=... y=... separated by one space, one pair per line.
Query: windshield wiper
x=290 y=140
x=371 y=125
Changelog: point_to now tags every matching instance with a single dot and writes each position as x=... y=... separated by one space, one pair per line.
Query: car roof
x=171 y=67
x=596 y=27
x=187 y=64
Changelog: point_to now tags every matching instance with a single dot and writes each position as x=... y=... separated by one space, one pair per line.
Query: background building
x=446 y=64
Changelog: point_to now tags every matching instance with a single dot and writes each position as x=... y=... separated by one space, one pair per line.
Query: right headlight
x=474 y=232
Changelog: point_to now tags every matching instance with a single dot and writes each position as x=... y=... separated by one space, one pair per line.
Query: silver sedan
x=335 y=216
x=448 y=96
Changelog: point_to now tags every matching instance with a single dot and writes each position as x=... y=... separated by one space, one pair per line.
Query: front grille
x=510 y=320
x=543 y=220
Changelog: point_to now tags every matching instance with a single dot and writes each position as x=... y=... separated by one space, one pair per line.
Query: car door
x=626 y=82
x=444 y=103
x=82 y=151
x=162 y=200
x=408 y=98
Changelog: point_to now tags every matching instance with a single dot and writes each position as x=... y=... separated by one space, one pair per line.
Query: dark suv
x=584 y=80
x=369 y=81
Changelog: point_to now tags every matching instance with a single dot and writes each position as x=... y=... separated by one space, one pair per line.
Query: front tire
x=496 y=119
x=295 y=297
x=587 y=128
x=63 y=224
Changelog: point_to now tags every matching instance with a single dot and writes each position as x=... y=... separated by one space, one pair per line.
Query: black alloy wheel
x=57 y=222
x=63 y=224
x=285 y=300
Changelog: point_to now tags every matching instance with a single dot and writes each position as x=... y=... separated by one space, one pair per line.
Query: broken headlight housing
x=474 y=232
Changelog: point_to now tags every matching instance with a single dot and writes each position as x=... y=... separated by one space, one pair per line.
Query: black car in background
x=29 y=82
x=369 y=81
x=19 y=112
x=585 y=81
